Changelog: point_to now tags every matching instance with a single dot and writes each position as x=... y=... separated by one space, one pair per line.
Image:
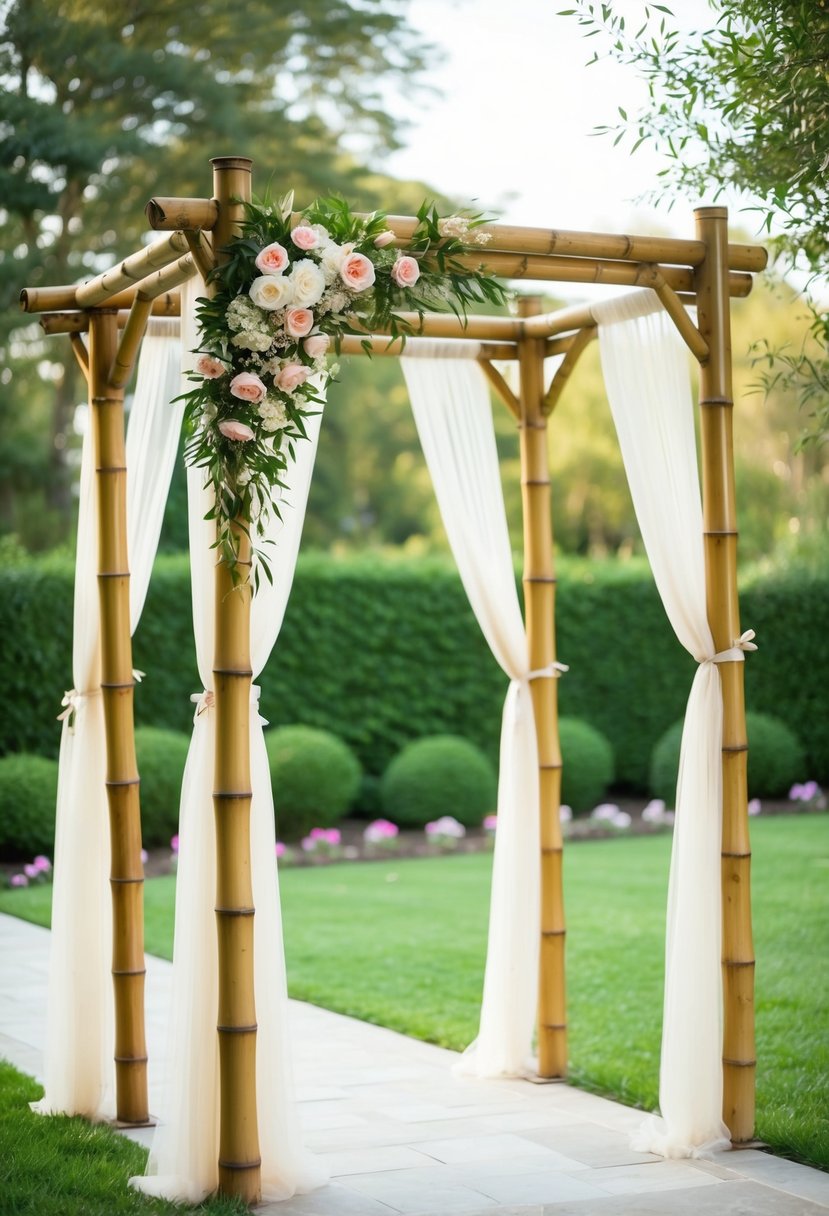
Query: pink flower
x=209 y=367
x=305 y=237
x=145 y=857
x=316 y=345
x=380 y=830
x=605 y=810
x=755 y=806
x=565 y=813
x=384 y=239
x=357 y=272
x=298 y=322
x=272 y=259
x=43 y=864
x=248 y=387
x=233 y=429
x=280 y=849
x=291 y=376
x=490 y=823
x=18 y=880
x=31 y=871
x=332 y=836
x=405 y=272
x=174 y=844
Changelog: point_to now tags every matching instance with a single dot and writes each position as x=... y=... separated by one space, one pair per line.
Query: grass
x=402 y=943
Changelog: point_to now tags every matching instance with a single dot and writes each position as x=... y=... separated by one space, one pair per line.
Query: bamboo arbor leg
x=239 y=1161
x=127 y=872
x=539 y=601
x=720 y=536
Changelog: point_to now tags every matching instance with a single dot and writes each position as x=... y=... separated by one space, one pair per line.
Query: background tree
x=743 y=103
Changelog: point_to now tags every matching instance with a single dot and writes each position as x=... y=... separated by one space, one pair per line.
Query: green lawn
x=402 y=943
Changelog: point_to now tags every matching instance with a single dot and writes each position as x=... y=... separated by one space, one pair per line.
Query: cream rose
x=357 y=272
x=405 y=272
x=304 y=237
x=231 y=428
x=384 y=238
x=247 y=387
x=271 y=291
x=308 y=283
x=316 y=345
x=209 y=367
x=272 y=259
x=298 y=322
x=291 y=376
x=332 y=259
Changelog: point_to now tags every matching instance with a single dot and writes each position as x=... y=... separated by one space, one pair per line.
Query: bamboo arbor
x=114 y=309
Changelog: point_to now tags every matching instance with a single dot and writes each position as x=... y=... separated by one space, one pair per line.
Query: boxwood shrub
x=28 y=790
x=314 y=775
x=437 y=776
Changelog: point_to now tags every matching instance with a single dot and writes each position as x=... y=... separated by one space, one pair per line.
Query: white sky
x=512 y=128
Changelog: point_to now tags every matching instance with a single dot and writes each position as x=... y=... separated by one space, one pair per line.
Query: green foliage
x=315 y=777
x=588 y=764
x=162 y=755
x=382 y=651
x=28 y=789
x=775 y=759
x=437 y=776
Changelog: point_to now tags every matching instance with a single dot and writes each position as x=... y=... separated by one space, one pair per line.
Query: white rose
x=308 y=283
x=332 y=259
x=271 y=291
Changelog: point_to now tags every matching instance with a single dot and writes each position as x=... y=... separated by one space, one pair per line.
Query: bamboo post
x=126 y=873
x=239 y=1160
x=720 y=538
x=539 y=602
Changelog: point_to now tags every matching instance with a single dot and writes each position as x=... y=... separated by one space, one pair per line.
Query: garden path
x=402 y=1134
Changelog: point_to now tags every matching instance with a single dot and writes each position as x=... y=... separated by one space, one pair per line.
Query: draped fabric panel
x=183 y=1164
x=78 y=1064
x=451 y=405
x=645 y=365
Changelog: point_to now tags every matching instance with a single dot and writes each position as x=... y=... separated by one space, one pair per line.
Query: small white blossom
x=251 y=339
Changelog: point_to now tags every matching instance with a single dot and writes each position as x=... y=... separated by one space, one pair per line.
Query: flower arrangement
x=382 y=834
x=290 y=287
x=322 y=842
x=445 y=832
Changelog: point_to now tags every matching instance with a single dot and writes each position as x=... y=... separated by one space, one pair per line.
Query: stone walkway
x=401 y=1134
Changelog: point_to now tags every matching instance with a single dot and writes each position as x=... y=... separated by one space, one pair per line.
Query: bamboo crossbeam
x=381 y=344
x=447 y=325
x=78 y=322
x=563 y=373
x=131 y=337
x=539 y=599
x=501 y=388
x=81 y=354
x=720 y=542
x=130 y=271
x=126 y=872
x=688 y=331
x=168 y=214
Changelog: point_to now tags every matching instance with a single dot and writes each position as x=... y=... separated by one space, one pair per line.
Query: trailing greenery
x=382 y=651
x=28 y=788
x=588 y=769
x=775 y=758
x=161 y=755
x=63 y=1166
x=315 y=777
x=437 y=776
x=416 y=976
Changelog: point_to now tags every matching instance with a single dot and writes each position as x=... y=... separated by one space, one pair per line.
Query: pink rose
x=316 y=345
x=298 y=322
x=305 y=237
x=231 y=428
x=291 y=376
x=405 y=272
x=357 y=272
x=248 y=387
x=272 y=259
x=209 y=367
x=384 y=239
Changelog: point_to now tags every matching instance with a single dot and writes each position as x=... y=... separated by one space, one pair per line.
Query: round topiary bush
x=161 y=758
x=315 y=777
x=588 y=762
x=775 y=759
x=436 y=776
x=28 y=789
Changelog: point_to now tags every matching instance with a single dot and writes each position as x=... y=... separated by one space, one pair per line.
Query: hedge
x=384 y=650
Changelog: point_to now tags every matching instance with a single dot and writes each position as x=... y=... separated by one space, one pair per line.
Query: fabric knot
x=137 y=675
x=203 y=701
x=72 y=702
x=736 y=652
x=551 y=672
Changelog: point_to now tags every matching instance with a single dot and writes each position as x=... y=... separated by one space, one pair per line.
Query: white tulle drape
x=185 y=1150
x=451 y=405
x=645 y=365
x=78 y=1067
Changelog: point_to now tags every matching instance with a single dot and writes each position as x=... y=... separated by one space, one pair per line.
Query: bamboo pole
x=126 y=874
x=502 y=388
x=380 y=344
x=688 y=331
x=563 y=373
x=239 y=1160
x=539 y=601
x=720 y=538
x=131 y=337
x=201 y=253
x=130 y=271
x=81 y=354
x=166 y=214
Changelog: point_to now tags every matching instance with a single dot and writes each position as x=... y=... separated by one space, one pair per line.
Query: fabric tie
x=72 y=702
x=207 y=699
x=550 y=672
x=736 y=653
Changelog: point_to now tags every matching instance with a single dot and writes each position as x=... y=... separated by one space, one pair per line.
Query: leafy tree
x=743 y=103
x=99 y=103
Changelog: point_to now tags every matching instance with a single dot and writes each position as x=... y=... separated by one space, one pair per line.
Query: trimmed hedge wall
x=381 y=651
